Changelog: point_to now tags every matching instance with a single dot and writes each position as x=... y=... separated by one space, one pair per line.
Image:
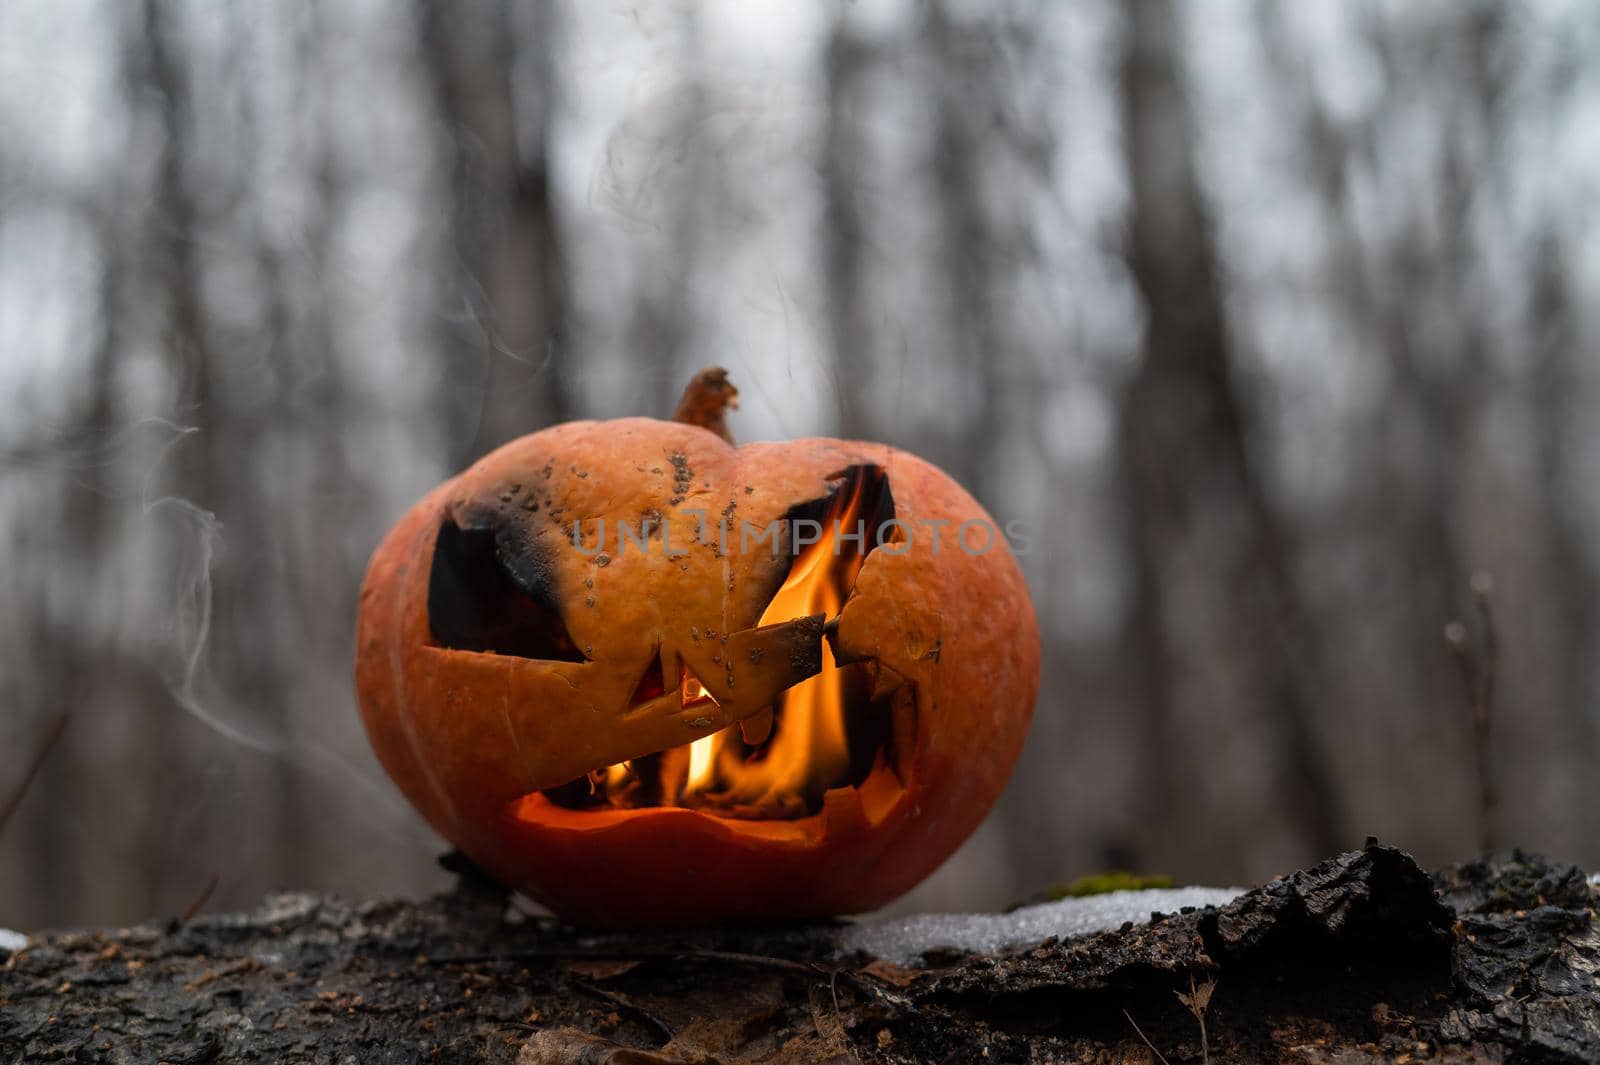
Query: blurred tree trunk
x=66 y=639
x=507 y=369
x=158 y=75
x=845 y=152
x=302 y=417
x=685 y=155
x=1187 y=473
x=1423 y=295
x=963 y=65
x=1569 y=566
x=1420 y=439
x=329 y=403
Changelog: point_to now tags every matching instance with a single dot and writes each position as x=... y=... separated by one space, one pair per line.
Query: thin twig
x=1160 y=1056
x=1197 y=1006
x=200 y=900
x=1482 y=719
x=759 y=960
x=1480 y=669
x=541 y=954
x=634 y=954
x=52 y=735
x=628 y=1006
x=762 y=961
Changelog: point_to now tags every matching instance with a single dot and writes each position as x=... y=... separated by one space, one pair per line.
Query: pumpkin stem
x=706 y=401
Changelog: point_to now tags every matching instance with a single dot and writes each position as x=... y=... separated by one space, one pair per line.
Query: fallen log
x=1364 y=957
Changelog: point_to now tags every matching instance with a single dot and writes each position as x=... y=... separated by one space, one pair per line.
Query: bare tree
x=963 y=63
x=1185 y=441
x=511 y=347
x=61 y=678
x=158 y=79
x=1570 y=569
x=845 y=153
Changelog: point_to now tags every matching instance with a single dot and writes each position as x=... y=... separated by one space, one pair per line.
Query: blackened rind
x=528 y=562
x=877 y=509
x=486 y=592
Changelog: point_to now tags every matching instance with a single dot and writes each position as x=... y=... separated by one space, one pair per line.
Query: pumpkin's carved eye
x=491 y=592
x=859 y=497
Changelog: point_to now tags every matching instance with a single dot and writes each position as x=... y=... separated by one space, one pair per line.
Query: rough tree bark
x=1362 y=958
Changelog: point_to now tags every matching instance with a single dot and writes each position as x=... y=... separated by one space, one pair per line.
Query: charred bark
x=1362 y=958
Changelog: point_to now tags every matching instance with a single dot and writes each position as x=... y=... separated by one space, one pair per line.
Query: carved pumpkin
x=645 y=676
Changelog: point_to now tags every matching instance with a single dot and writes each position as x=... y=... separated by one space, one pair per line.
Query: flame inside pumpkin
x=823 y=733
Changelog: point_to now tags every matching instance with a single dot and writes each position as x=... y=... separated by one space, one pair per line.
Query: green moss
x=1103 y=883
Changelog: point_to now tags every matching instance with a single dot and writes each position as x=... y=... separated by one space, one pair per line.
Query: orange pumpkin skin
x=472 y=738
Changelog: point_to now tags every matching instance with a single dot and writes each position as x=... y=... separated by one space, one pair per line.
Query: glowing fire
x=780 y=761
x=808 y=742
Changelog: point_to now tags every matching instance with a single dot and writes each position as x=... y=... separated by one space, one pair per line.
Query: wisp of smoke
x=193 y=614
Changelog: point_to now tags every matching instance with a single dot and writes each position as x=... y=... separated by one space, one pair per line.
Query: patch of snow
x=287 y=907
x=903 y=939
x=1594 y=881
x=12 y=941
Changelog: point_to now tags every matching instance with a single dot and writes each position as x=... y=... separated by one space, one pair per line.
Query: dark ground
x=1363 y=958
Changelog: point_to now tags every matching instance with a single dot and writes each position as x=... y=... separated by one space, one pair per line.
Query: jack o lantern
x=646 y=676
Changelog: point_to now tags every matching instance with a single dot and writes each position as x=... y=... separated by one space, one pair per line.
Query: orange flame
x=808 y=744
x=808 y=750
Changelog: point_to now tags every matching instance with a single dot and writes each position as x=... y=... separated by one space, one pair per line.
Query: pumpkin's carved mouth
x=808 y=751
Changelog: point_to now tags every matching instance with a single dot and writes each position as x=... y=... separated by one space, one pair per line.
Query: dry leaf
x=601 y=970
x=889 y=973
